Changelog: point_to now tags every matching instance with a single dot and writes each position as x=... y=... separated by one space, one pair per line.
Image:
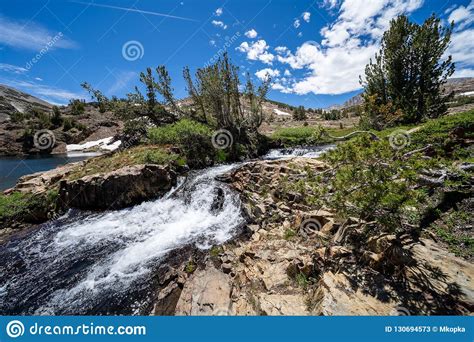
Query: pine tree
x=405 y=81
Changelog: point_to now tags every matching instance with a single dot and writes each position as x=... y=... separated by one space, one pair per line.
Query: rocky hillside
x=13 y=100
x=293 y=260
x=23 y=117
x=460 y=86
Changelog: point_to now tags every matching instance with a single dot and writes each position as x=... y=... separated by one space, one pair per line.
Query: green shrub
x=175 y=133
x=192 y=137
x=26 y=207
x=159 y=157
x=294 y=135
x=77 y=106
x=443 y=132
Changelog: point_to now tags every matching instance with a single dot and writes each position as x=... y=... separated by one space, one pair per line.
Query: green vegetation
x=217 y=102
x=178 y=132
x=451 y=229
x=77 y=106
x=13 y=205
x=404 y=84
x=193 y=139
x=56 y=118
x=299 y=113
x=461 y=100
x=444 y=132
x=289 y=234
x=308 y=135
x=215 y=251
x=302 y=280
x=190 y=267
x=26 y=207
x=295 y=135
x=133 y=156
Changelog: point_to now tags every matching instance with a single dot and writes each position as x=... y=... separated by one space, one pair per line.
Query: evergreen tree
x=56 y=118
x=299 y=113
x=405 y=81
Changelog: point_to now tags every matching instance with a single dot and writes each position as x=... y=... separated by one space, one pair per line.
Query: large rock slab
x=118 y=189
x=207 y=292
x=336 y=297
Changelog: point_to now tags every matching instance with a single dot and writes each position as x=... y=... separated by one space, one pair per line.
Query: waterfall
x=105 y=263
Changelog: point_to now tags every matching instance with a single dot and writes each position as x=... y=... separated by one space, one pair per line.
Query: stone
x=207 y=292
x=282 y=305
x=121 y=188
x=335 y=297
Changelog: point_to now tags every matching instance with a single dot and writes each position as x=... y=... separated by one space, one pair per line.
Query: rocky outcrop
x=118 y=189
x=207 y=292
x=296 y=260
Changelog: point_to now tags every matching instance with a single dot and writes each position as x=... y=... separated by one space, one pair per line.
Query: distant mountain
x=13 y=100
x=460 y=86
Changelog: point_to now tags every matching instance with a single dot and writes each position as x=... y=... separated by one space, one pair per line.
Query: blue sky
x=314 y=50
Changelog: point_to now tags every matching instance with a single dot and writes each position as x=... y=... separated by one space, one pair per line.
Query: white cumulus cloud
x=257 y=51
x=463 y=15
x=219 y=11
x=251 y=34
x=219 y=23
x=267 y=72
x=306 y=16
x=334 y=65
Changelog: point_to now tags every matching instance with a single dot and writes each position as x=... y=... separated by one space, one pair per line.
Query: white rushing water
x=307 y=152
x=89 y=263
x=134 y=240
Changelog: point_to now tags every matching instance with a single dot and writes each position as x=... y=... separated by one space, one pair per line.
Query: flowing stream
x=105 y=263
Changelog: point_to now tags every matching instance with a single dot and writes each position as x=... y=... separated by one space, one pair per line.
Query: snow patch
x=103 y=144
x=280 y=112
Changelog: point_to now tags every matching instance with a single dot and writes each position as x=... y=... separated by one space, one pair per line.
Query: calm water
x=12 y=168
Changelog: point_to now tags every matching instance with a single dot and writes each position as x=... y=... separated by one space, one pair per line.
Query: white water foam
x=308 y=152
x=141 y=236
